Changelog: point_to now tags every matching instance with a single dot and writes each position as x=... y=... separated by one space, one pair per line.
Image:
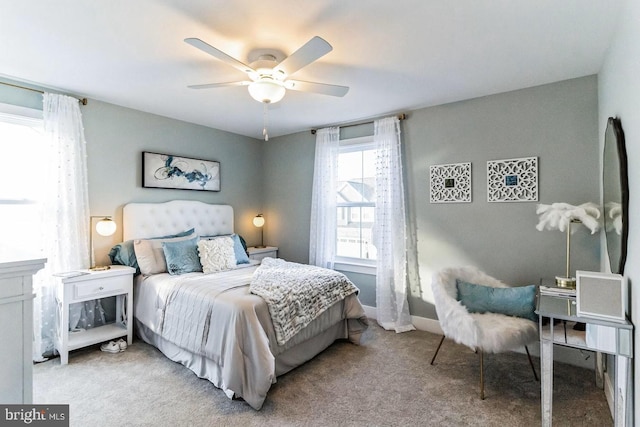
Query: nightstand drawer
x=91 y=289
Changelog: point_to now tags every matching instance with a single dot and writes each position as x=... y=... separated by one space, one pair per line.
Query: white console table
x=602 y=336
x=16 y=316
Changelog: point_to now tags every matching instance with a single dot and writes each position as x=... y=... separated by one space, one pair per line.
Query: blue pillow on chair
x=516 y=301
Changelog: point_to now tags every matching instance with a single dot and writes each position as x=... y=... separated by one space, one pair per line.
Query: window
x=356 y=196
x=22 y=139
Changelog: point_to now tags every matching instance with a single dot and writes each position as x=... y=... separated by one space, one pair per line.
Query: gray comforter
x=214 y=316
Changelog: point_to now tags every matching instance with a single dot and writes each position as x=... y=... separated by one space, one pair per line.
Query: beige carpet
x=385 y=382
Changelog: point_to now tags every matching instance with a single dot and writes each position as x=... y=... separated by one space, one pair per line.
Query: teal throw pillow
x=239 y=249
x=182 y=257
x=123 y=254
x=517 y=301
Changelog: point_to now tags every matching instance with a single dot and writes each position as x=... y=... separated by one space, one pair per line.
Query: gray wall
x=619 y=92
x=556 y=122
x=116 y=137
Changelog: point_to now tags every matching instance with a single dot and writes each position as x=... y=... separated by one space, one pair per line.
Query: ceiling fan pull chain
x=265 y=118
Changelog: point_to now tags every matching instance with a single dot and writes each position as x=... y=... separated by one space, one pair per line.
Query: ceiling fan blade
x=309 y=52
x=325 y=89
x=217 y=53
x=214 y=85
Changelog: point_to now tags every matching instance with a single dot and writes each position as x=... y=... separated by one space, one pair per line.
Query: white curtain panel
x=65 y=211
x=322 y=239
x=390 y=229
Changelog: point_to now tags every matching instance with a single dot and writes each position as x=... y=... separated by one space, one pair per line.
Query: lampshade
x=106 y=227
x=258 y=221
x=267 y=90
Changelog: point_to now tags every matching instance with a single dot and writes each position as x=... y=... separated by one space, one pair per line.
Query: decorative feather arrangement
x=558 y=216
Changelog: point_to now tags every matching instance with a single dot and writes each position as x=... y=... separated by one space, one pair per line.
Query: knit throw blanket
x=297 y=293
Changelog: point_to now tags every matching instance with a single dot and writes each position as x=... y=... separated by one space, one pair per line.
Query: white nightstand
x=117 y=281
x=260 y=253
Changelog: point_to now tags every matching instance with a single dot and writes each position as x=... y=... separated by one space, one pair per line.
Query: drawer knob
x=100 y=288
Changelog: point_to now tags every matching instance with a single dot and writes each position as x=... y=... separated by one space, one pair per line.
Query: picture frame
x=512 y=180
x=450 y=183
x=180 y=173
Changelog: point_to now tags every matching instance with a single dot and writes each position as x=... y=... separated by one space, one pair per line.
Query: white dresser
x=16 y=329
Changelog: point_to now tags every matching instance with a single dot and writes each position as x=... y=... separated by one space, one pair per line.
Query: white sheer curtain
x=390 y=229
x=322 y=239
x=65 y=212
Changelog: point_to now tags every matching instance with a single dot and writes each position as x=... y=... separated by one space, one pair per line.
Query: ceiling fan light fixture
x=267 y=90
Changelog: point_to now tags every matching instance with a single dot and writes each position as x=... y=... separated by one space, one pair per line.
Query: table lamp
x=561 y=216
x=258 y=221
x=105 y=227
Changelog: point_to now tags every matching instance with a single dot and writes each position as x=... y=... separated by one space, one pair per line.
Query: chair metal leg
x=535 y=375
x=481 y=375
x=433 y=359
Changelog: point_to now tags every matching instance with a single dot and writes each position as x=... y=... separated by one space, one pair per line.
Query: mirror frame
x=615 y=124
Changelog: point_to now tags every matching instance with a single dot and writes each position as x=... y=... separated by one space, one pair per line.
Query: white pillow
x=217 y=254
x=150 y=255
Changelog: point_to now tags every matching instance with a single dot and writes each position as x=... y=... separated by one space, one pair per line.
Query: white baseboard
x=421 y=323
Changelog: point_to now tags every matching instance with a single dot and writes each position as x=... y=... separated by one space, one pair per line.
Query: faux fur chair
x=487 y=332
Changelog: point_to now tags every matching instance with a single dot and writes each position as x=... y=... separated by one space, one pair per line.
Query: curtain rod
x=401 y=116
x=83 y=101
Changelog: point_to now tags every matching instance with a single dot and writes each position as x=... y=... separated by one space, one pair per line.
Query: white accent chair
x=486 y=332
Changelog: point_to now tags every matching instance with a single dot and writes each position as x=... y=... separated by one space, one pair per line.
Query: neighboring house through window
x=356 y=201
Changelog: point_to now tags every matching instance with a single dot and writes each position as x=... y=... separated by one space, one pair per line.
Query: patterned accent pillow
x=217 y=254
x=240 y=248
x=182 y=257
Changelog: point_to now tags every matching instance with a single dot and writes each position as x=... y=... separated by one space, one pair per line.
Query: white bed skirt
x=208 y=369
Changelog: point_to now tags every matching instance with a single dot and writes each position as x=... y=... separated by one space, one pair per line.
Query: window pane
x=20 y=229
x=355 y=238
x=23 y=163
x=20 y=195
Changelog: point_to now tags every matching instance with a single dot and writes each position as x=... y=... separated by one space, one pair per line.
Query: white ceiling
x=394 y=55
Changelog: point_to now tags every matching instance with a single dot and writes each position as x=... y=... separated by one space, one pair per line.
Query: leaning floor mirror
x=615 y=195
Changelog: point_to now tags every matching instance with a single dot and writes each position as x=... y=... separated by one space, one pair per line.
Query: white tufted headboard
x=145 y=220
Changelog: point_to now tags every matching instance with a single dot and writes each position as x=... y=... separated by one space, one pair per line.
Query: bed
x=212 y=323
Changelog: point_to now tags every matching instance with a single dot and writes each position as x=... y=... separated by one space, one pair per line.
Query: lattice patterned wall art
x=512 y=180
x=450 y=183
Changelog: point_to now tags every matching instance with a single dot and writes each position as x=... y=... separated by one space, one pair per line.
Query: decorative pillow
x=151 y=256
x=517 y=301
x=182 y=256
x=239 y=247
x=217 y=254
x=124 y=254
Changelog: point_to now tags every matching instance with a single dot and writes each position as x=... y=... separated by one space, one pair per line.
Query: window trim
x=24 y=115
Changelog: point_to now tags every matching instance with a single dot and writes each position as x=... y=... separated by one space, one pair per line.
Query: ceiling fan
x=269 y=79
